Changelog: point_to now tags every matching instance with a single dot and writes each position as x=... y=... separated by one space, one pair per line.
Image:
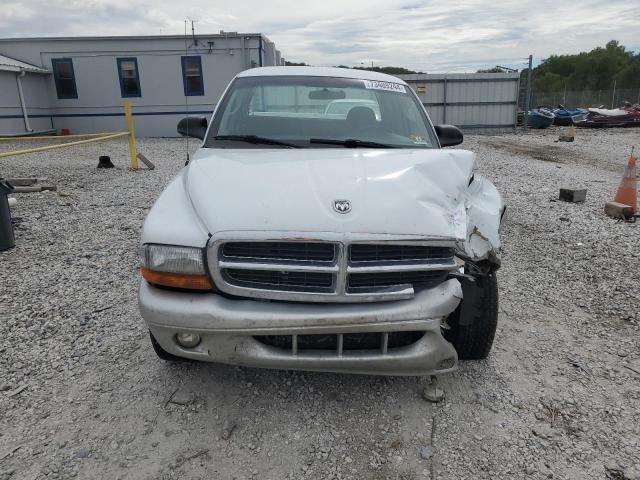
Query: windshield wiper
x=351 y=143
x=255 y=139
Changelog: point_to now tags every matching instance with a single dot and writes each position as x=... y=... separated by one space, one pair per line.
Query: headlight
x=173 y=266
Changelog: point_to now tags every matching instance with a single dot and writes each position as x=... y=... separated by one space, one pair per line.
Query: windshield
x=319 y=112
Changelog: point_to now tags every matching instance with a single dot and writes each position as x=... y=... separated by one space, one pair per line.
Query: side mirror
x=449 y=135
x=193 y=127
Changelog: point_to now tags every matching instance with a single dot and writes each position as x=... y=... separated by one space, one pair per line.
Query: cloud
x=422 y=35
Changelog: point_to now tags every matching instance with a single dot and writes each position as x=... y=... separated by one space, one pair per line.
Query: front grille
x=298 y=251
x=371 y=281
x=329 y=271
x=359 y=252
x=341 y=344
x=278 y=280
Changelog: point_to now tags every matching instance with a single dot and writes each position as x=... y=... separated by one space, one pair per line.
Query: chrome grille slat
x=278 y=266
x=341 y=281
x=315 y=271
x=421 y=266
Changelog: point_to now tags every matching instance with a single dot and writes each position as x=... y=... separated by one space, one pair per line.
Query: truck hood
x=396 y=191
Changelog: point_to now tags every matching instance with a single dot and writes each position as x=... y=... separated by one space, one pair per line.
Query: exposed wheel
x=473 y=324
x=161 y=352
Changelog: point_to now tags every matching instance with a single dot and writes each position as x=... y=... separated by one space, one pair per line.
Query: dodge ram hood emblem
x=342 y=206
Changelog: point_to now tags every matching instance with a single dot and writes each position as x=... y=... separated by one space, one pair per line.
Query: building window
x=192 y=76
x=64 y=77
x=129 y=78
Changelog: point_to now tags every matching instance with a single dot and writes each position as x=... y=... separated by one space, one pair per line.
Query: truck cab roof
x=319 y=72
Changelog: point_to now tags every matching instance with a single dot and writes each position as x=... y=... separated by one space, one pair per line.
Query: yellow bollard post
x=133 y=151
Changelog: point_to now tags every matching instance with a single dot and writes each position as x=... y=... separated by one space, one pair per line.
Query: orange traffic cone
x=628 y=190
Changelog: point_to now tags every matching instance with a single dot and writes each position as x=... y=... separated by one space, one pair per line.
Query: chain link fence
x=587 y=98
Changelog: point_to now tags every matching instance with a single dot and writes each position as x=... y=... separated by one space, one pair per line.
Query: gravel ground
x=83 y=395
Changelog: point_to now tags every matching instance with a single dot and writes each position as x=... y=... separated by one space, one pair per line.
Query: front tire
x=473 y=324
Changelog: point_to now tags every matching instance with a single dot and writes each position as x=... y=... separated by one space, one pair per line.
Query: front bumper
x=228 y=329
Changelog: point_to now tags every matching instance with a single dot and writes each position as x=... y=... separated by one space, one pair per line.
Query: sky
x=428 y=36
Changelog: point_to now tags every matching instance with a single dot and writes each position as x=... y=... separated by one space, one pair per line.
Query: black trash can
x=7 y=240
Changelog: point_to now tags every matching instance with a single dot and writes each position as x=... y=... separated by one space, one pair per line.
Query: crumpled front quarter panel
x=484 y=206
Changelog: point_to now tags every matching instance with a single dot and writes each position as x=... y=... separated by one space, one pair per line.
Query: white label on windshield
x=390 y=86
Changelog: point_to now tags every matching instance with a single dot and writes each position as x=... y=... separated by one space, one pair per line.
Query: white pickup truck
x=298 y=239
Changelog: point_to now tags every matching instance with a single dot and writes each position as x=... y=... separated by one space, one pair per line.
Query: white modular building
x=79 y=84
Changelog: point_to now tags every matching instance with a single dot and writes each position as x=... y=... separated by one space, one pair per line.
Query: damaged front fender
x=484 y=211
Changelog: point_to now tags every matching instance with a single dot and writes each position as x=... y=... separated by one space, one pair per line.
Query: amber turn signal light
x=176 y=280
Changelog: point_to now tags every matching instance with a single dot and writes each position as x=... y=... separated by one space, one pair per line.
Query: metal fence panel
x=485 y=102
x=436 y=113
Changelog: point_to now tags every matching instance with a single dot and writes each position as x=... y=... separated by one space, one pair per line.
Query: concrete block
x=573 y=195
x=618 y=210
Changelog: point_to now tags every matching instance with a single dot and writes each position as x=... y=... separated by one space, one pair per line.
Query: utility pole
x=613 y=97
x=528 y=97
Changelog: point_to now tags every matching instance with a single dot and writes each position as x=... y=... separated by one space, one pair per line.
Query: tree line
x=594 y=70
